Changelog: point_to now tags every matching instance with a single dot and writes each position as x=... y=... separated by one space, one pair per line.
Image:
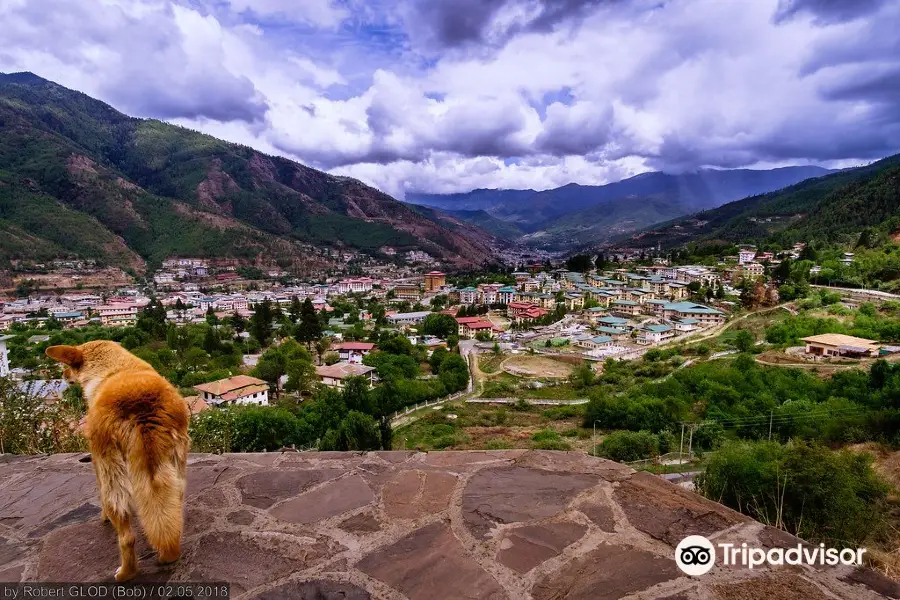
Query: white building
x=356 y=286
x=4 y=356
x=746 y=255
x=410 y=318
x=353 y=352
x=335 y=375
x=240 y=389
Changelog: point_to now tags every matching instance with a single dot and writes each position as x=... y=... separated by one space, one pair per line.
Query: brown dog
x=137 y=426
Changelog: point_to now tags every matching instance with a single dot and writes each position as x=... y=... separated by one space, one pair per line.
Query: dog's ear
x=67 y=355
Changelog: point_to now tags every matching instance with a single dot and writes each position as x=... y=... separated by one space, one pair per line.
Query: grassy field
x=461 y=426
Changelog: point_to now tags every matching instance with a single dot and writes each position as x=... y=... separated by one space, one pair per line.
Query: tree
x=866 y=238
x=580 y=263
x=744 y=341
x=454 y=373
x=211 y=341
x=211 y=317
x=310 y=329
x=601 y=263
x=290 y=359
x=783 y=271
x=152 y=320
x=808 y=490
x=261 y=322
x=582 y=376
x=237 y=322
x=439 y=325
x=295 y=310
x=26 y=287
x=808 y=253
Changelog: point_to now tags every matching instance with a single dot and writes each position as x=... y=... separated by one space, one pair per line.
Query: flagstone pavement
x=509 y=524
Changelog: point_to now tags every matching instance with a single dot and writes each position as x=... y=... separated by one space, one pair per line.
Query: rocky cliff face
x=438 y=526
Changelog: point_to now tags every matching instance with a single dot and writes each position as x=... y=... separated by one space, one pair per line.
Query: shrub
x=545 y=434
x=445 y=442
x=30 y=426
x=709 y=436
x=551 y=445
x=808 y=490
x=626 y=446
x=547 y=439
x=561 y=413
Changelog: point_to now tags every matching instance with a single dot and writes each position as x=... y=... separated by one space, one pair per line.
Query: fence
x=419 y=405
x=470 y=387
x=670 y=458
x=534 y=401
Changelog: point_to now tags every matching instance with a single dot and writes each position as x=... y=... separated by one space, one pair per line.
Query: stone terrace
x=393 y=525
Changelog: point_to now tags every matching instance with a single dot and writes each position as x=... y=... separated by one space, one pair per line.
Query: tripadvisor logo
x=696 y=555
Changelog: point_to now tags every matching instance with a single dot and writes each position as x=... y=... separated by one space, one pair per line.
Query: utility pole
x=771 y=413
x=681 y=447
x=691 y=442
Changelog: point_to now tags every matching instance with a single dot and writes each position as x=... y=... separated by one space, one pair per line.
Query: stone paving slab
x=408 y=525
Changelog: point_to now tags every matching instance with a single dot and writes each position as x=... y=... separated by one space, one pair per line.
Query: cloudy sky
x=451 y=95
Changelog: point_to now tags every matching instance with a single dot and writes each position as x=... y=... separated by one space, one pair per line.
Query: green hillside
x=833 y=208
x=78 y=178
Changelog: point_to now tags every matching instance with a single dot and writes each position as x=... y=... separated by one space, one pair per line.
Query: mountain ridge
x=832 y=207
x=574 y=213
x=129 y=191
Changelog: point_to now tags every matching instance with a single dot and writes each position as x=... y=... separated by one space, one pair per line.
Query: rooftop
x=223 y=386
x=342 y=370
x=839 y=339
x=423 y=526
x=354 y=346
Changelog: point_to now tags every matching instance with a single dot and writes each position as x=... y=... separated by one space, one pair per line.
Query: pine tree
x=261 y=322
x=295 y=309
x=310 y=329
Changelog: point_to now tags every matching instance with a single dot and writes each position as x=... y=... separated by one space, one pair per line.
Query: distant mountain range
x=574 y=215
x=833 y=208
x=80 y=179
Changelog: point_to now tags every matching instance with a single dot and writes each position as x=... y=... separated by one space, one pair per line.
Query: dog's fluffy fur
x=137 y=428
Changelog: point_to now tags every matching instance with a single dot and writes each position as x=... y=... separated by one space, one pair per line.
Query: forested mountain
x=578 y=214
x=78 y=178
x=833 y=208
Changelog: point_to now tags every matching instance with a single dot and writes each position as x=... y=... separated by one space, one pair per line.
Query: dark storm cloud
x=575 y=130
x=827 y=11
x=873 y=85
x=804 y=139
x=223 y=98
x=444 y=24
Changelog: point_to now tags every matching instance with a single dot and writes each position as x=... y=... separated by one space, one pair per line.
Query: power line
x=764 y=419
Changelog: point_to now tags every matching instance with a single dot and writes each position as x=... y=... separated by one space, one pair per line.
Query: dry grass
x=537 y=367
x=885 y=556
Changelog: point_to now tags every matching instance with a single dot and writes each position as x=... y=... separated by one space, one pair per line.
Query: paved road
x=858 y=292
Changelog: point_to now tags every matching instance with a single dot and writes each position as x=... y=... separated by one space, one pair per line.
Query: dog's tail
x=157 y=461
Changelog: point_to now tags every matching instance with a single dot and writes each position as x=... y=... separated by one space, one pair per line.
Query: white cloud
x=323 y=13
x=540 y=94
